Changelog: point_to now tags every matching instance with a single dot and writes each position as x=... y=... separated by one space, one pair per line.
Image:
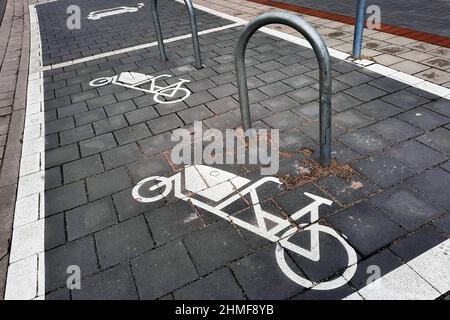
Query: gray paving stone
x=97 y=144
x=164 y=123
x=173 y=221
x=121 y=242
x=113 y=284
x=271 y=76
x=219 y=285
x=383 y=170
x=439 y=139
x=385 y=260
x=275 y=89
x=388 y=84
x=417 y=243
x=82 y=168
x=405 y=100
x=76 y=134
x=164 y=109
x=432 y=182
x=127 y=207
x=279 y=103
x=222 y=91
x=424 y=118
x=72 y=110
x=53 y=178
x=80 y=253
x=443 y=224
x=341 y=101
x=110 y=124
x=222 y=105
x=395 y=130
x=298 y=81
x=366 y=228
x=101 y=102
x=365 y=92
x=197 y=113
x=408 y=208
x=351 y=119
x=441 y=106
x=347 y=192
x=121 y=155
x=261 y=277
x=198 y=98
x=59 y=125
x=90 y=218
x=446 y=166
x=336 y=294
x=378 y=109
x=223 y=121
x=416 y=155
x=132 y=133
x=55 y=234
x=153 y=166
x=141 y=115
x=220 y=237
x=63 y=198
x=119 y=108
x=283 y=120
x=363 y=141
x=144 y=101
x=107 y=183
x=89 y=117
x=354 y=78
x=153 y=281
x=304 y=95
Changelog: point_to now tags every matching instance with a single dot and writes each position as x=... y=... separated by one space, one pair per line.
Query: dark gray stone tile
x=107 y=183
x=121 y=242
x=432 y=183
x=82 y=168
x=66 y=197
x=97 y=144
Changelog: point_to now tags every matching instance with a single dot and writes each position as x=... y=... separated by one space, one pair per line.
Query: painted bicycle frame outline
x=261 y=228
x=157 y=91
x=97 y=15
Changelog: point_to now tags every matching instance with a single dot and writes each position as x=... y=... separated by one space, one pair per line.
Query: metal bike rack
x=359 y=28
x=193 y=21
x=323 y=57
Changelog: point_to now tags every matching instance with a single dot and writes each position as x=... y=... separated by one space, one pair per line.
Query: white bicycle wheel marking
x=216 y=185
x=161 y=94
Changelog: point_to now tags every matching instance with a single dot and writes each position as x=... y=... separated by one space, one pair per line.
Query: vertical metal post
x=323 y=58
x=194 y=31
x=359 y=28
x=157 y=24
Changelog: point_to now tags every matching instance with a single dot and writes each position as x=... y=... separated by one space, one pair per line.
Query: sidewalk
x=14 y=46
x=88 y=143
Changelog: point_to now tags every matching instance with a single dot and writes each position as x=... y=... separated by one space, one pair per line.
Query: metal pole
x=193 y=22
x=156 y=23
x=359 y=28
x=323 y=58
x=195 y=42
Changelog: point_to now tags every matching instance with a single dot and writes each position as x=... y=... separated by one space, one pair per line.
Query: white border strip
x=425 y=277
x=26 y=272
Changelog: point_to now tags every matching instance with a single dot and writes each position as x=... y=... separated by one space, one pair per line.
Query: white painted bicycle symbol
x=162 y=94
x=97 y=15
x=216 y=185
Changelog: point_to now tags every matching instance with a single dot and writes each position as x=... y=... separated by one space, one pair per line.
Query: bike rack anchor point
x=323 y=58
x=194 y=31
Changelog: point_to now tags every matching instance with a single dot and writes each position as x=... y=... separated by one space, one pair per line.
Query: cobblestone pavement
x=101 y=141
x=406 y=13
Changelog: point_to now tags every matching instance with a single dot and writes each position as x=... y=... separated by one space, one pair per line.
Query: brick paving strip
x=387 y=28
x=107 y=243
x=14 y=55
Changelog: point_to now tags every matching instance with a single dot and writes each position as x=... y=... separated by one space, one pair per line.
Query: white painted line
x=425 y=277
x=26 y=273
x=134 y=48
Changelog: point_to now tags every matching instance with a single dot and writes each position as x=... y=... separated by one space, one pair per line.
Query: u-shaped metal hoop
x=193 y=21
x=323 y=58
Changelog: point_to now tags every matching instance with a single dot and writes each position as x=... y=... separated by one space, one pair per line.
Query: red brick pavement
x=399 y=31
